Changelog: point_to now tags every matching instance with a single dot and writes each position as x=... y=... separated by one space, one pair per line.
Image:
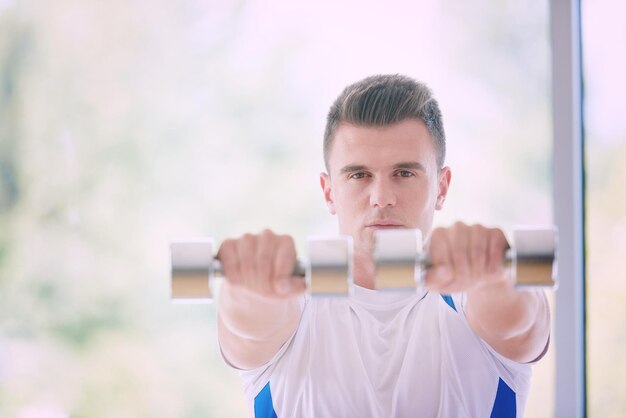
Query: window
x=604 y=65
x=126 y=126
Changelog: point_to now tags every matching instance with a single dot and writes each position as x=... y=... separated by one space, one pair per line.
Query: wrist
x=251 y=315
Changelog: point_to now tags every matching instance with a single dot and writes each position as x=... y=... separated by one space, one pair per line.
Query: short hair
x=383 y=100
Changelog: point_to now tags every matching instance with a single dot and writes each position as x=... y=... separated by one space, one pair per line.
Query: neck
x=364 y=272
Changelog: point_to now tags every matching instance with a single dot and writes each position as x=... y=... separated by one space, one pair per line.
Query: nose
x=382 y=194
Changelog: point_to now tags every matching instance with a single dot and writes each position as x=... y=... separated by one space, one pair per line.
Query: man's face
x=383 y=177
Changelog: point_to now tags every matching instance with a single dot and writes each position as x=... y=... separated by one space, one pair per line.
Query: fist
x=262 y=264
x=466 y=257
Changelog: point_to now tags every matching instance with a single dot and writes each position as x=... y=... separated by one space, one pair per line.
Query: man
x=460 y=348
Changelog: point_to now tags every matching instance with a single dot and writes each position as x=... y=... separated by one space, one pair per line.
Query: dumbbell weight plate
x=534 y=259
x=397 y=256
x=329 y=269
x=192 y=269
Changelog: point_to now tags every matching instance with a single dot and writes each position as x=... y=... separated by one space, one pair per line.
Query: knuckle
x=459 y=225
x=247 y=237
x=287 y=241
x=286 y=237
x=439 y=230
x=265 y=242
x=437 y=234
x=267 y=234
x=227 y=249
x=498 y=238
x=247 y=240
x=497 y=233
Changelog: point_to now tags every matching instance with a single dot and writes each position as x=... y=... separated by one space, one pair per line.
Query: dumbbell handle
x=509 y=258
x=216 y=270
x=425 y=263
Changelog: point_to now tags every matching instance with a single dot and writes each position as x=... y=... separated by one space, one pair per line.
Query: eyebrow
x=411 y=165
x=414 y=165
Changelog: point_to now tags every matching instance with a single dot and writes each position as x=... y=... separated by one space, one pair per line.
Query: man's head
x=384 y=149
x=383 y=100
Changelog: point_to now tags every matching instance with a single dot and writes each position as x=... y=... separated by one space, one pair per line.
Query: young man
x=462 y=347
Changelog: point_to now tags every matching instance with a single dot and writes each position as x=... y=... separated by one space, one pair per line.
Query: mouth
x=383 y=224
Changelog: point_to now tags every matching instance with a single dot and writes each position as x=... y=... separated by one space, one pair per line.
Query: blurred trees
x=13 y=48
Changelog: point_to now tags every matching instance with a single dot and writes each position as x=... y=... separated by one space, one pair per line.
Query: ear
x=328 y=192
x=445 y=175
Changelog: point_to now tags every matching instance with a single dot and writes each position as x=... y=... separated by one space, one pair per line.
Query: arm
x=469 y=259
x=260 y=304
x=515 y=323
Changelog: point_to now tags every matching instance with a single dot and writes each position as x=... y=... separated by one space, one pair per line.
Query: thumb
x=288 y=286
x=438 y=276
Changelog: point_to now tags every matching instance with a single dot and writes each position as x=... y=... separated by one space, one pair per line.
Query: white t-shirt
x=387 y=354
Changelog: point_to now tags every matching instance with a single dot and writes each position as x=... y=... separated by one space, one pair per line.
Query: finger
x=246 y=252
x=460 y=255
x=441 y=273
x=479 y=238
x=284 y=265
x=227 y=255
x=497 y=248
x=266 y=247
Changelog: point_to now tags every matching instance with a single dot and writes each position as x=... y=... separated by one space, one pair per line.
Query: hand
x=262 y=264
x=465 y=258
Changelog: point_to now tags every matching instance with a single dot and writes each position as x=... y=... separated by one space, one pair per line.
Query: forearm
x=515 y=323
x=255 y=317
x=252 y=328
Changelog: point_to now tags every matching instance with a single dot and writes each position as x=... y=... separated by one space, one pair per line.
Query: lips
x=383 y=223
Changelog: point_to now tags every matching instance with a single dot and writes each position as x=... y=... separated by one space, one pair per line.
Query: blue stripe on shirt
x=448 y=300
x=263 y=407
x=504 y=406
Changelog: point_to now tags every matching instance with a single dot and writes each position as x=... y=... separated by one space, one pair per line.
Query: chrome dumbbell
x=399 y=256
x=328 y=270
x=401 y=262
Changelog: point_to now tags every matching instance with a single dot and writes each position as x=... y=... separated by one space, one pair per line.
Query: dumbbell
x=327 y=271
x=398 y=253
x=401 y=262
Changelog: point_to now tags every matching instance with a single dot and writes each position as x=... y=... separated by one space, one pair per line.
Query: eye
x=358 y=175
x=405 y=173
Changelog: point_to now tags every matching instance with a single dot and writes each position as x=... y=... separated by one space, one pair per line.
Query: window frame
x=568 y=203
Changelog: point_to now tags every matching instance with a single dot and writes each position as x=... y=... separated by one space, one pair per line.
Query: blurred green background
x=127 y=125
